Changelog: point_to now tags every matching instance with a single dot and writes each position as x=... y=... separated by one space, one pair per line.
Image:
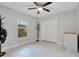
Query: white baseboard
x=60 y=43
x=13 y=46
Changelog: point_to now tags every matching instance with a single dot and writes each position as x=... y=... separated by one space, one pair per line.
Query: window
x=22 y=28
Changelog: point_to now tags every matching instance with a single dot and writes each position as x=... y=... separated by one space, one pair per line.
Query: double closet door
x=48 y=30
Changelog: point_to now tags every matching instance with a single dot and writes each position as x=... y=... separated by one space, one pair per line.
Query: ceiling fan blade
x=31 y=8
x=46 y=9
x=38 y=12
x=36 y=3
x=46 y=4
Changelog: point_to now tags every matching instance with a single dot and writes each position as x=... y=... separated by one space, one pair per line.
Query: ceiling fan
x=40 y=6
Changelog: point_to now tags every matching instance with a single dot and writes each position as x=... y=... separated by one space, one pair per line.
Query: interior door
x=48 y=30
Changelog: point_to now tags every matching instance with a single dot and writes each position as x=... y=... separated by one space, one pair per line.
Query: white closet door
x=43 y=30
x=48 y=30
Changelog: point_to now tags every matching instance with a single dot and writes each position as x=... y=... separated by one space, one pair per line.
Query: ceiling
x=55 y=7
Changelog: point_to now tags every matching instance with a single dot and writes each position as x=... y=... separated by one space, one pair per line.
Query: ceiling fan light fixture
x=40 y=9
x=40 y=6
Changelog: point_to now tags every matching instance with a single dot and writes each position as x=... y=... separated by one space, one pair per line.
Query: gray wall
x=66 y=23
x=11 y=17
x=77 y=19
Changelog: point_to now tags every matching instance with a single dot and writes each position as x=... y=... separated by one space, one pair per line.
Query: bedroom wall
x=66 y=23
x=11 y=17
x=77 y=18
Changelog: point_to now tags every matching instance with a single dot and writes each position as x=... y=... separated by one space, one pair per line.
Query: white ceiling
x=54 y=7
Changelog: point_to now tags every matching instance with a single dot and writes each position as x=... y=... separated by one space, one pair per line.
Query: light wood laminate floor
x=39 y=49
